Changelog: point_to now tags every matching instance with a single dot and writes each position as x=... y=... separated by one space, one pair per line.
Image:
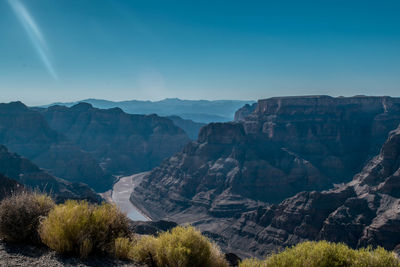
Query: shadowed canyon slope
x=86 y=144
x=122 y=143
x=24 y=173
x=8 y=186
x=27 y=133
x=277 y=148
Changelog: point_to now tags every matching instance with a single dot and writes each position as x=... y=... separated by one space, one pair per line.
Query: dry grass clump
x=79 y=228
x=180 y=247
x=123 y=248
x=326 y=254
x=20 y=216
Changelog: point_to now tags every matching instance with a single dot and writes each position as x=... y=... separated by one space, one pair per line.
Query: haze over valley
x=199 y=134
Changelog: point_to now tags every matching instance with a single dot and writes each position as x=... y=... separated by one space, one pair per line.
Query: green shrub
x=20 y=216
x=180 y=247
x=79 y=228
x=325 y=254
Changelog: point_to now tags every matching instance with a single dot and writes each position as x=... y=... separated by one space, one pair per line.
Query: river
x=121 y=193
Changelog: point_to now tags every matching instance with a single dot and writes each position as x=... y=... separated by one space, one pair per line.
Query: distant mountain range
x=203 y=111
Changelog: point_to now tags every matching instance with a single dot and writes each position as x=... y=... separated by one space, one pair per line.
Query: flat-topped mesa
x=317 y=104
x=335 y=133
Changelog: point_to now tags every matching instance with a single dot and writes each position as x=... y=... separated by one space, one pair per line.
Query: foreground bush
x=79 y=228
x=123 y=248
x=180 y=247
x=325 y=254
x=20 y=215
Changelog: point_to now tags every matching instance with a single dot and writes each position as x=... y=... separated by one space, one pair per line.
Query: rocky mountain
x=365 y=211
x=24 y=173
x=122 y=143
x=27 y=133
x=336 y=135
x=203 y=111
x=274 y=150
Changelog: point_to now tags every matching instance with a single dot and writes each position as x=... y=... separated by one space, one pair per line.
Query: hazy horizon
x=67 y=50
x=182 y=99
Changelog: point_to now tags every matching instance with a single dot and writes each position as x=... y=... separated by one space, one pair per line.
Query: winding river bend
x=121 y=193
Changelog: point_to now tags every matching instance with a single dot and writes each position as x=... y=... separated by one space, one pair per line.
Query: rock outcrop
x=365 y=211
x=337 y=135
x=122 y=143
x=242 y=113
x=24 y=173
x=27 y=133
x=276 y=149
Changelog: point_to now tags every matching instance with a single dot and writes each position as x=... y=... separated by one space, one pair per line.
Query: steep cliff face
x=27 y=133
x=337 y=135
x=285 y=146
x=122 y=143
x=25 y=173
x=242 y=113
x=365 y=211
x=226 y=174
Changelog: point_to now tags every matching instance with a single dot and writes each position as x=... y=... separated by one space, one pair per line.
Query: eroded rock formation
x=230 y=181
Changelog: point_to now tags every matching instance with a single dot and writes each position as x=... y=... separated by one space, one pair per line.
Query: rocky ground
x=27 y=255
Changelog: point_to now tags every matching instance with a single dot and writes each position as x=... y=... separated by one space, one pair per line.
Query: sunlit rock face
x=122 y=143
x=274 y=150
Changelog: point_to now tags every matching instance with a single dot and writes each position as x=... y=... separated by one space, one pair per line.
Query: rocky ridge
x=27 y=133
x=365 y=211
x=122 y=143
x=276 y=149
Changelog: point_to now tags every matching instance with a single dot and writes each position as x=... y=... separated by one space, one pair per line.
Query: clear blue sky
x=61 y=50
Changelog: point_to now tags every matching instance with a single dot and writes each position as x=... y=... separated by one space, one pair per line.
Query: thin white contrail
x=34 y=34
